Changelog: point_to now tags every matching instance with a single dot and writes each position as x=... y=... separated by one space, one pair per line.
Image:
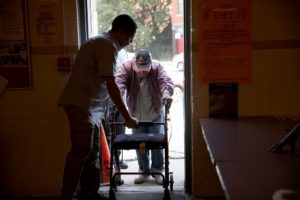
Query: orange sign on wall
x=225 y=41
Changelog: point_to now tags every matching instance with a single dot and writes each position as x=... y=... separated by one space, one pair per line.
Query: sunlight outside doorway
x=160 y=29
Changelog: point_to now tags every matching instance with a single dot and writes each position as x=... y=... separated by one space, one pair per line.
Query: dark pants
x=82 y=162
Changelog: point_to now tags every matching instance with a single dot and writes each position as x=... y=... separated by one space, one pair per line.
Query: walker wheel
x=171 y=182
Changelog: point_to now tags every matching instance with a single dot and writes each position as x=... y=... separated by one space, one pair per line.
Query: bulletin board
x=225 y=41
x=14 y=44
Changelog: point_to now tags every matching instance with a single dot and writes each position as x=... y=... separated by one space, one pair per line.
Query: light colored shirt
x=144 y=109
x=86 y=87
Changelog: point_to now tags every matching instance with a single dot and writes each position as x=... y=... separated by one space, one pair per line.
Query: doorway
x=161 y=30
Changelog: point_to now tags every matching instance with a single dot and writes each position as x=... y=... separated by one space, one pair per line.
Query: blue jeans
x=157 y=160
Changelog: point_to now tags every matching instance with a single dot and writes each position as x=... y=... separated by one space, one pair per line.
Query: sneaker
x=141 y=179
x=123 y=165
x=158 y=179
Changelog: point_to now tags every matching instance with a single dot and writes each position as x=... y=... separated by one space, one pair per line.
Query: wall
x=33 y=129
x=274 y=90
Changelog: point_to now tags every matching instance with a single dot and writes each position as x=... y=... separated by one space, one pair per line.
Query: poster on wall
x=46 y=24
x=225 y=41
x=14 y=44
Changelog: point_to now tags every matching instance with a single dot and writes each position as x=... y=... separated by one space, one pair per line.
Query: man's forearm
x=115 y=96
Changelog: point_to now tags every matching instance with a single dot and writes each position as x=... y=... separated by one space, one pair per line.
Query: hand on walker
x=131 y=122
x=167 y=100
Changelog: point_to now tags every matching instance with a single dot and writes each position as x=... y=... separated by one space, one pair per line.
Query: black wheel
x=171 y=182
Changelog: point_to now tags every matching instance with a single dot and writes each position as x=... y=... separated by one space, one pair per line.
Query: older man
x=147 y=88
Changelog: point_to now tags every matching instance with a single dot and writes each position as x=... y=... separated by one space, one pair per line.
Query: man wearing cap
x=147 y=88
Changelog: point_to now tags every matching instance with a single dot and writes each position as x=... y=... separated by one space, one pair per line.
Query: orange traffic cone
x=105 y=157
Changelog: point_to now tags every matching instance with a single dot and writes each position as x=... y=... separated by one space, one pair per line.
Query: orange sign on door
x=225 y=41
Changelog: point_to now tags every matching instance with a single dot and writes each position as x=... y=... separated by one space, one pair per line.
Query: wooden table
x=239 y=150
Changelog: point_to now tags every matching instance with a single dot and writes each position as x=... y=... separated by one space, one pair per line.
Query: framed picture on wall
x=14 y=44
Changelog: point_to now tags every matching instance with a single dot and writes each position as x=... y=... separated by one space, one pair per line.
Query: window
x=180 y=7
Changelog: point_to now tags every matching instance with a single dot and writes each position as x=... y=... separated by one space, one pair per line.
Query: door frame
x=83 y=18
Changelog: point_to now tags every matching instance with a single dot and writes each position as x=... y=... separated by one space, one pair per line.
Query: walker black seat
x=140 y=141
x=133 y=141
